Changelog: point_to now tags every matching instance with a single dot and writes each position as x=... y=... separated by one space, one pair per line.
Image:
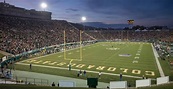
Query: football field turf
x=129 y=58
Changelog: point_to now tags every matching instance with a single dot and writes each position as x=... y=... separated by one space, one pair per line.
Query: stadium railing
x=24 y=80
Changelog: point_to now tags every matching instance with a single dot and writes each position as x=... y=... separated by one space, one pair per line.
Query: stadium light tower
x=83 y=20
x=43 y=5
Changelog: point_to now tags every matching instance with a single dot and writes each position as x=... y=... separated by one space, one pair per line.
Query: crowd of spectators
x=128 y=34
x=132 y=35
x=19 y=35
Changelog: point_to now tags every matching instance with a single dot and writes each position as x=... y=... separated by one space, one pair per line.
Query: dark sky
x=144 y=12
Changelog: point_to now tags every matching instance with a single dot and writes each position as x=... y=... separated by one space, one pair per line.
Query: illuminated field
x=130 y=58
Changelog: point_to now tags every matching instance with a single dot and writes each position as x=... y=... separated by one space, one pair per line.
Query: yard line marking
x=78 y=70
x=135 y=62
x=136 y=57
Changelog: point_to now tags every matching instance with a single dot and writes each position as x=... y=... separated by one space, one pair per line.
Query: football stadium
x=37 y=51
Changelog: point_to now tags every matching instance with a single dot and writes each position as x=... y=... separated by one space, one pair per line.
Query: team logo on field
x=125 y=55
x=112 y=48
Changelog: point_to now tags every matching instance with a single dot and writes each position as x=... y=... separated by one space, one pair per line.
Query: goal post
x=64 y=46
x=80 y=49
x=80 y=45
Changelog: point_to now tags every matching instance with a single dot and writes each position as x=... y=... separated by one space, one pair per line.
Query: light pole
x=83 y=20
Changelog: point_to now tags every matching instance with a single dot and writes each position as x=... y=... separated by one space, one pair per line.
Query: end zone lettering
x=99 y=68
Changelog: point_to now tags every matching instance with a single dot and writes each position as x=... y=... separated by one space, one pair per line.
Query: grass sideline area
x=168 y=70
x=111 y=58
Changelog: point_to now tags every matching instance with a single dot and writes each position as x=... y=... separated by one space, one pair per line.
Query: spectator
x=129 y=85
x=30 y=66
x=100 y=74
x=69 y=67
x=53 y=84
x=80 y=72
x=121 y=76
x=143 y=77
x=84 y=73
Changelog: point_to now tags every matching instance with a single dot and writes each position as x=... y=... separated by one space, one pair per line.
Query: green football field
x=132 y=59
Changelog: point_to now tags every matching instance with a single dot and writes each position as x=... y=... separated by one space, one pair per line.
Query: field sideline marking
x=79 y=69
x=157 y=62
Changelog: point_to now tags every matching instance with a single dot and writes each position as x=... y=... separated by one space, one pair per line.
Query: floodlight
x=83 y=18
x=43 y=5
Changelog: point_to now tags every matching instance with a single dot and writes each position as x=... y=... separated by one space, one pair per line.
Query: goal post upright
x=64 y=46
x=80 y=48
x=80 y=45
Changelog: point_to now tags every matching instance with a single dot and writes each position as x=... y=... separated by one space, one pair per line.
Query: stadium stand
x=38 y=33
x=19 y=34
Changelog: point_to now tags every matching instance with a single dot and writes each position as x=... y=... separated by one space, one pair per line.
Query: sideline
x=157 y=61
x=78 y=70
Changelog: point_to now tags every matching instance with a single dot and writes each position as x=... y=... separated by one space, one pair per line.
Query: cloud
x=72 y=9
x=132 y=8
x=107 y=11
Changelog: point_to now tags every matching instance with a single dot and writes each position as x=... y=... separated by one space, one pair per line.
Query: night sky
x=144 y=12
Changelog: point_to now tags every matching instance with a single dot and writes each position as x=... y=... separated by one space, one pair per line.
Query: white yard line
x=157 y=62
x=79 y=69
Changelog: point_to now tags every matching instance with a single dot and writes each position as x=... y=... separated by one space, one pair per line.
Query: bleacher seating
x=20 y=34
